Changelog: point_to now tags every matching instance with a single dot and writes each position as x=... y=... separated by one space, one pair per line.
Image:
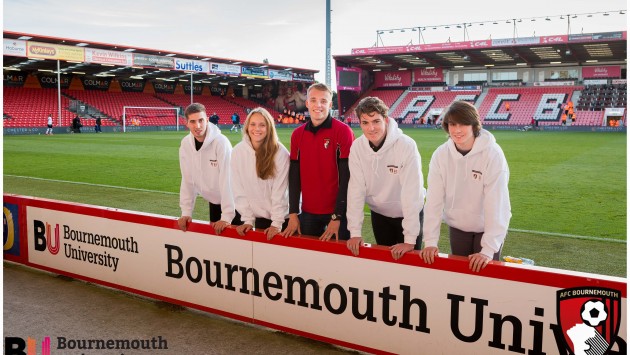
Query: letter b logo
x=14 y=346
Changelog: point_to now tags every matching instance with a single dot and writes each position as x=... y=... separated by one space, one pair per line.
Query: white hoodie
x=470 y=192
x=253 y=196
x=206 y=172
x=390 y=181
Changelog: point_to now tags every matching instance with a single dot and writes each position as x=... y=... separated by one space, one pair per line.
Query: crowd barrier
x=317 y=289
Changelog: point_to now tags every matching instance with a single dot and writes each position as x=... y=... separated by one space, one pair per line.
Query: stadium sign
x=14 y=78
x=14 y=47
x=507 y=308
x=49 y=81
x=102 y=56
x=155 y=61
x=255 y=72
x=191 y=65
x=280 y=75
x=54 y=51
x=306 y=77
x=225 y=69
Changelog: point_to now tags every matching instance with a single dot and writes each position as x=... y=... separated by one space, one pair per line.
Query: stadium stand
x=389 y=97
x=26 y=107
x=222 y=107
x=418 y=104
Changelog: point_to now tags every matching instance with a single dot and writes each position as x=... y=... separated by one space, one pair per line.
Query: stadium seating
x=389 y=97
x=439 y=100
x=31 y=107
x=222 y=107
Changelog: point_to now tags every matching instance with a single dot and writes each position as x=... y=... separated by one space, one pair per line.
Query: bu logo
x=393 y=169
x=476 y=175
x=214 y=163
x=589 y=319
x=326 y=143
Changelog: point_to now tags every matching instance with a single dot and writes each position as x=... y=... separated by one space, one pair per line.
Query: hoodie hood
x=212 y=132
x=393 y=133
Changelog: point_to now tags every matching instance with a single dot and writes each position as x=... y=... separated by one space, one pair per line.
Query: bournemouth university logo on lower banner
x=589 y=318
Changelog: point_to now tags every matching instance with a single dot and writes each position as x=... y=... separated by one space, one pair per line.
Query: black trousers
x=215 y=215
x=467 y=243
x=388 y=231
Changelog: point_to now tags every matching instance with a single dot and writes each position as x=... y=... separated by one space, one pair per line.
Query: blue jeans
x=315 y=225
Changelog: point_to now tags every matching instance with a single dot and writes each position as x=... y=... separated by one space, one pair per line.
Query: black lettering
x=422 y=311
x=386 y=297
x=538 y=333
x=15 y=345
x=315 y=287
x=217 y=272
x=497 y=332
x=189 y=269
x=276 y=284
x=40 y=235
x=254 y=272
x=369 y=306
x=343 y=299
x=455 y=300
x=174 y=261
x=231 y=269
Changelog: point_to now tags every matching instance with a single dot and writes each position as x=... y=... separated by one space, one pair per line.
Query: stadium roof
x=30 y=64
x=560 y=50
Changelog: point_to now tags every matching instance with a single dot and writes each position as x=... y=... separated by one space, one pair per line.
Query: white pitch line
x=90 y=184
x=574 y=236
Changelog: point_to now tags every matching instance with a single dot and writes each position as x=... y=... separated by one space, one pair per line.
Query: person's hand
x=219 y=226
x=400 y=249
x=271 y=232
x=331 y=229
x=478 y=261
x=354 y=244
x=428 y=254
x=243 y=228
x=183 y=222
x=293 y=226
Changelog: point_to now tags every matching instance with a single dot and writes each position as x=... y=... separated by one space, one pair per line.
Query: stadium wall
x=313 y=288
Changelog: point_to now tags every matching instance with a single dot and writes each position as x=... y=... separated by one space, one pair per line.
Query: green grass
x=563 y=185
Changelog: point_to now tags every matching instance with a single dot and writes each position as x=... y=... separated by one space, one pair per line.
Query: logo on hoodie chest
x=326 y=143
x=477 y=175
x=393 y=169
x=214 y=163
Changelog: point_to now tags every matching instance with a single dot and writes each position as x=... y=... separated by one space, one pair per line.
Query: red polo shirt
x=317 y=149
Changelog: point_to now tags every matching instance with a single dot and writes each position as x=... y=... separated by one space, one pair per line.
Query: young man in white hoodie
x=204 y=161
x=468 y=187
x=385 y=173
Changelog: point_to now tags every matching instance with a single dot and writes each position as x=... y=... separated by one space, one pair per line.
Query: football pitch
x=567 y=189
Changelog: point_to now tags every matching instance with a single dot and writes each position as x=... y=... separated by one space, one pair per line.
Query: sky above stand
x=293 y=33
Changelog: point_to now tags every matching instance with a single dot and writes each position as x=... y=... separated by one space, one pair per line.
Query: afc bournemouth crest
x=476 y=175
x=589 y=318
x=214 y=163
x=326 y=143
x=393 y=169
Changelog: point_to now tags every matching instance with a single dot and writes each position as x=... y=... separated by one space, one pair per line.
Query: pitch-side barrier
x=318 y=289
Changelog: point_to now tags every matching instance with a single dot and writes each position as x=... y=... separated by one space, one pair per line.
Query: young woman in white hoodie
x=468 y=188
x=385 y=173
x=260 y=176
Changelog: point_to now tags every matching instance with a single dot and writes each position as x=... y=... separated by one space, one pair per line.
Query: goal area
x=150 y=116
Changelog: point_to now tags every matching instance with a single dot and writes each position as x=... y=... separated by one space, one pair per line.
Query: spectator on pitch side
x=76 y=124
x=236 y=122
x=319 y=171
x=97 y=125
x=260 y=176
x=204 y=161
x=468 y=187
x=49 y=125
x=385 y=173
x=214 y=119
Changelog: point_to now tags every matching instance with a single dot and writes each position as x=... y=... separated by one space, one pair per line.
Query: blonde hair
x=266 y=153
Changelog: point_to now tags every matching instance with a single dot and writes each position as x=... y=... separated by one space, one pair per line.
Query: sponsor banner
x=131 y=85
x=280 y=75
x=423 y=75
x=155 y=61
x=13 y=78
x=14 y=47
x=596 y=82
x=197 y=88
x=96 y=83
x=619 y=81
x=442 y=46
x=225 y=69
x=163 y=87
x=393 y=310
x=55 y=51
x=607 y=35
x=348 y=79
x=464 y=88
x=255 y=72
x=581 y=37
x=11 y=229
x=102 y=56
x=480 y=44
x=610 y=71
x=49 y=81
x=554 y=83
x=307 y=77
x=191 y=65
x=502 y=42
x=392 y=78
x=554 y=39
x=379 y=50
